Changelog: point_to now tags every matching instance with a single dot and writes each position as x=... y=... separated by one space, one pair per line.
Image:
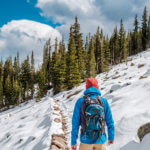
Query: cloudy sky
x=25 y=25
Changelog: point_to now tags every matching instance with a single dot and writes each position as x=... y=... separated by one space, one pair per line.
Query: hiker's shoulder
x=104 y=100
x=80 y=100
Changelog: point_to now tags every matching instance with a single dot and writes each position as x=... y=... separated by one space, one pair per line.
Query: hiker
x=92 y=112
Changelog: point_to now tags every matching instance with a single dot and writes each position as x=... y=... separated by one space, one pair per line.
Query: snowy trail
x=58 y=128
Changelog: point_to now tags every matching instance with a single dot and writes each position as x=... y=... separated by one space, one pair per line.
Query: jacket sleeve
x=109 y=122
x=76 y=122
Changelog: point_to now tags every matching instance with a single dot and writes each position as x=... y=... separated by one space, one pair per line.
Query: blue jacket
x=76 y=120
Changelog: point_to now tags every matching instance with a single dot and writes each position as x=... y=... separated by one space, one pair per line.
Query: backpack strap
x=102 y=122
x=83 y=118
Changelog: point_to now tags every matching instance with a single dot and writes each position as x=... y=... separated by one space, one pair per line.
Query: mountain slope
x=126 y=88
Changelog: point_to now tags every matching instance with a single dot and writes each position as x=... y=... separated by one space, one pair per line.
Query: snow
x=138 y=146
x=30 y=126
x=127 y=95
x=26 y=126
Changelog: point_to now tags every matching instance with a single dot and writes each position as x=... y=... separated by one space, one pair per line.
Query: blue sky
x=22 y=9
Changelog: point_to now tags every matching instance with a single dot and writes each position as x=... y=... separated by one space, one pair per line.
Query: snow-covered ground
x=127 y=89
x=27 y=126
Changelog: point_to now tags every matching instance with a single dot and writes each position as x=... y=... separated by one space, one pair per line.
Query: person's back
x=87 y=142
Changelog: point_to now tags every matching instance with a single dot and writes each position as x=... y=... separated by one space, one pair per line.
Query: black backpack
x=93 y=117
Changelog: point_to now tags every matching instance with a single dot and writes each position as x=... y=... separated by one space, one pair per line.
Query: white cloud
x=92 y=13
x=25 y=36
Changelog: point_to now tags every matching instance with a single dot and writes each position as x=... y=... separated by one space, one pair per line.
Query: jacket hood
x=92 y=90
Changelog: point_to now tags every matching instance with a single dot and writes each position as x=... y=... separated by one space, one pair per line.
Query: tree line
x=65 y=67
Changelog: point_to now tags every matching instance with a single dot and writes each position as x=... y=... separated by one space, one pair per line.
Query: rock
x=56 y=108
x=20 y=140
x=64 y=122
x=59 y=143
x=56 y=100
x=115 y=77
x=23 y=117
x=58 y=138
x=143 y=130
x=132 y=64
x=140 y=65
x=8 y=135
x=54 y=147
x=130 y=77
x=143 y=77
x=110 y=91
x=57 y=120
x=55 y=114
x=102 y=89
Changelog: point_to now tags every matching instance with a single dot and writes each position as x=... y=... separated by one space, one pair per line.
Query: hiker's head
x=92 y=82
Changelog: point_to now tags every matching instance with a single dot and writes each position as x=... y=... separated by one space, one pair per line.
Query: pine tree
x=98 y=51
x=91 y=60
x=125 y=48
x=73 y=77
x=106 y=54
x=135 y=47
x=25 y=76
x=144 y=28
x=102 y=59
x=1 y=92
x=129 y=43
x=121 y=41
x=15 y=92
x=140 y=41
x=8 y=91
x=32 y=74
x=79 y=48
x=62 y=66
x=87 y=44
x=55 y=69
x=46 y=66
x=148 y=33
x=41 y=84
x=114 y=45
x=1 y=68
x=8 y=69
x=16 y=67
